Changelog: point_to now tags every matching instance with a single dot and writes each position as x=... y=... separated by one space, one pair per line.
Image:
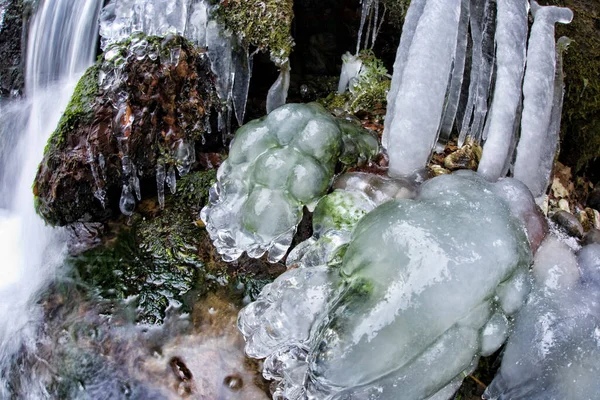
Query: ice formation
x=482 y=61
x=539 y=93
x=423 y=288
x=334 y=218
x=417 y=108
x=511 y=42
x=276 y=165
x=436 y=90
x=230 y=60
x=554 y=351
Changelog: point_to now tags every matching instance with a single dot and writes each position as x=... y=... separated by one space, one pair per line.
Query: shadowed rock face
x=11 y=47
x=135 y=118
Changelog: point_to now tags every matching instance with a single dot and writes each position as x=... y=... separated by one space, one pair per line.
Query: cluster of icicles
x=512 y=83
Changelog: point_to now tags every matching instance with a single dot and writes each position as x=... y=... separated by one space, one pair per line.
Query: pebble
x=569 y=222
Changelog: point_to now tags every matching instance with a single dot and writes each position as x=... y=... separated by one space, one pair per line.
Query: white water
x=62 y=43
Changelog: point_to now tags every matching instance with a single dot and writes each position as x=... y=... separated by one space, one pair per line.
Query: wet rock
x=135 y=122
x=593 y=236
x=583 y=218
x=13 y=21
x=569 y=223
x=84 y=236
x=593 y=200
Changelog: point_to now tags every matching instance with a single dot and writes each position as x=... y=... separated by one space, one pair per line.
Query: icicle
x=242 y=62
x=366 y=10
x=413 y=15
x=278 y=92
x=160 y=183
x=482 y=33
x=351 y=66
x=420 y=100
x=511 y=43
x=171 y=179
x=185 y=155
x=126 y=202
x=457 y=76
x=538 y=94
x=196 y=26
x=549 y=152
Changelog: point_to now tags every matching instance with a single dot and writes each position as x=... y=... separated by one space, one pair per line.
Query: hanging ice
x=511 y=43
x=278 y=92
x=458 y=71
x=417 y=109
x=230 y=61
x=538 y=92
x=423 y=288
x=413 y=15
x=482 y=60
x=554 y=351
x=276 y=165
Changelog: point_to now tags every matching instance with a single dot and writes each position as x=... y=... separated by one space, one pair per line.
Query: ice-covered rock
x=539 y=94
x=336 y=215
x=511 y=44
x=424 y=287
x=277 y=165
x=416 y=110
x=554 y=351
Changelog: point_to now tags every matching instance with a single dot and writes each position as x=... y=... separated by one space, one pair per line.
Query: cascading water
x=62 y=43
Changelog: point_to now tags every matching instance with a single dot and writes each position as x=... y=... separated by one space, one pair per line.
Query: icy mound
x=336 y=215
x=277 y=165
x=554 y=352
x=425 y=286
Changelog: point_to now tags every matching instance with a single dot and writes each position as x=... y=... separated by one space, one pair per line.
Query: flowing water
x=62 y=43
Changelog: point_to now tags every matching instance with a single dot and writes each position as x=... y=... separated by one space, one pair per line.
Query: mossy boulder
x=580 y=146
x=137 y=116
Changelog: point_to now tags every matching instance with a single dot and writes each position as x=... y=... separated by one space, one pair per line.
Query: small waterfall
x=62 y=43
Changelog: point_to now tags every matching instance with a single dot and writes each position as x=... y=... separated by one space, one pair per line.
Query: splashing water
x=62 y=43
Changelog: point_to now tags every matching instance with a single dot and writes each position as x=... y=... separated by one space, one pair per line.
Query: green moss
x=396 y=11
x=80 y=108
x=265 y=24
x=337 y=211
x=158 y=259
x=367 y=93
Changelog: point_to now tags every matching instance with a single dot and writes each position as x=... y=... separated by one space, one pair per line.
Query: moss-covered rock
x=137 y=116
x=166 y=257
x=265 y=24
x=581 y=112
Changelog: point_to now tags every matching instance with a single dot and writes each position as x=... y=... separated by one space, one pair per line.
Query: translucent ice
x=417 y=109
x=351 y=66
x=424 y=287
x=276 y=165
x=538 y=92
x=483 y=22
x=554 y=351
x=336 y=215
x=511 y=43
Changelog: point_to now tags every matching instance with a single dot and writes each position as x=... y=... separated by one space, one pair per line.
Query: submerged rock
x=136 y=117
x=425 y=287
x=277 y=165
